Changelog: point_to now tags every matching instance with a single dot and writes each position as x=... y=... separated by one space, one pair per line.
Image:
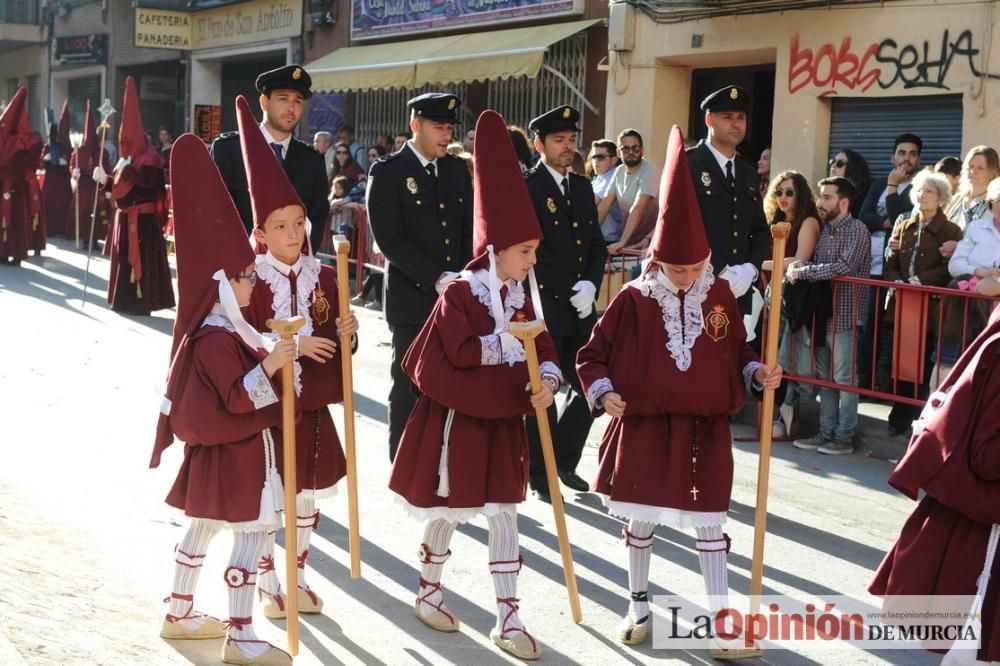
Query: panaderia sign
x=230 y=25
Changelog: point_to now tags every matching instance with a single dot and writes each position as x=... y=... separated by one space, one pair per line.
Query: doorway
x=758 y=81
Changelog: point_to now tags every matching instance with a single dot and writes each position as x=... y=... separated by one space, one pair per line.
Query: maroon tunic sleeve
x=985 y=452
x=461 y=344
x=593 y=359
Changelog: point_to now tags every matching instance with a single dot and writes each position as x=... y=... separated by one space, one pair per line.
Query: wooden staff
x=779 y=232
x=527 y=332
x=343 y=248
x=286 y=328
x=106 y=110
x=76 y=198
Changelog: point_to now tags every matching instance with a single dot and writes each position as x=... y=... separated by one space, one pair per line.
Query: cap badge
x=567 y=113
x=411 y=185
x=706 y=178
x=551 y=203
x=717 y=323
x=733 y=93
x=451 y=105
x=297 y=74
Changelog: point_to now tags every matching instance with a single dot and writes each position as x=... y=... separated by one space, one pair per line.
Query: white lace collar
x=479 y=283
x=217 y=317
x=282 y=267
x=684 y=328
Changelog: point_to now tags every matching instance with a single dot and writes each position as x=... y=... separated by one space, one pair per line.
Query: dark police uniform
x=305 y=167
x=734 y=215
x=423 y=226
x=572 y=249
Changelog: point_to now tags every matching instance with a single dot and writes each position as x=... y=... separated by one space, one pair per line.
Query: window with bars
x=385 y=112
x=19 y=11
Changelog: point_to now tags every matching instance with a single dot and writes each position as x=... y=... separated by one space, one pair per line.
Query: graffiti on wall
x=851 y=67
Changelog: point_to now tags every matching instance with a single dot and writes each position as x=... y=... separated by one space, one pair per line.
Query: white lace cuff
x=258 y=386
x=515 y=354
x=748 y=373
x=491 y=353
x=596 y=390
x=550 y=369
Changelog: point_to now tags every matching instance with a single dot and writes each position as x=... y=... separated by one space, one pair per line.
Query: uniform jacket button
x=579 y=242
x=447 y=241
x=440 y=205
x=444 y=223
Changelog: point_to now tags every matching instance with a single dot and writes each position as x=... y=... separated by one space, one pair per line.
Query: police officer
x=728 y=195
x=420 y=210
x=283 y=93
x=571 y=261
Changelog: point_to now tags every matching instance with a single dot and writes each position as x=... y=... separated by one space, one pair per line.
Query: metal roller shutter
x=869 y=125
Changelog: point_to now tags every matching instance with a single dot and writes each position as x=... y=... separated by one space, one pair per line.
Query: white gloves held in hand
x=511 y=348
x=583 y=300
x=443 y=281
x=100 y=176
x=75 y=173
x=122 y=163
x=740 y=278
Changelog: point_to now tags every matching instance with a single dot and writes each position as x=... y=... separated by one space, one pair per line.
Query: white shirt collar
x=720 y=158
x=423 y=160
x=556 y=176
x=270 y=139
x=281 y=267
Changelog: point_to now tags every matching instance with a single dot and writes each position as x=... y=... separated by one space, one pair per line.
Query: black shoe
x=572 y=480
x=542 y=494
x=359 y=301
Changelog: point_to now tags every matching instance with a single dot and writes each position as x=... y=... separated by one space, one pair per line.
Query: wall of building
x=885 y=50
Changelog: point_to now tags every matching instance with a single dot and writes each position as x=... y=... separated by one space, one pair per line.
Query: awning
x=479 y=56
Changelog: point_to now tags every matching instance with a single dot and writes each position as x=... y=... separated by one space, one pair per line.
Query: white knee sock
x=307 y=519
x=433 y=554
x=267 y=578
x=505 y=563
x=712 y=546
x=241 y=577
x=638 y=538
x=189 y=555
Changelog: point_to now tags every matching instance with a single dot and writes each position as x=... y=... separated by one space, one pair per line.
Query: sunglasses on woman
x=341 y=152
x=778 y=192
x=838 y=163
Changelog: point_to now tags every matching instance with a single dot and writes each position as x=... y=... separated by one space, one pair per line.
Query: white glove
x=583 y=301
x=122 y=163
x=76 y=173
x=444 y=280
x=740 y=277
x=100 y=176
x=511 y=348
x=62 y=161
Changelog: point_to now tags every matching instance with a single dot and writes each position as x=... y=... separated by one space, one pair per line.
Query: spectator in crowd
x=384 y=142
x=978 y=253
x=579 y=165
x=843 y=249
x=951 y=168
x=345 y=165
x=400 y=140
x=602 y=162
x=456 y=148
x=852 y=166
x=634 y=188
x=522 y=147
x=323 y=143
x=358 y=154
x=341 y=213
x=919 y=260
x=376 y=151
x=469 y=142
x=981 y=165
x=764 y=169
x=789 y=199
x=166 y=142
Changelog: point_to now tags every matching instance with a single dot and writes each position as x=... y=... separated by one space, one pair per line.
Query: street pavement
x=86 y=542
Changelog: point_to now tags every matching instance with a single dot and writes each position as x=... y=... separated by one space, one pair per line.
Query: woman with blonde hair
x=981 y=165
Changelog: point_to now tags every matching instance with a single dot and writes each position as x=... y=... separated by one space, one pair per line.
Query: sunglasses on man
x=630 y=149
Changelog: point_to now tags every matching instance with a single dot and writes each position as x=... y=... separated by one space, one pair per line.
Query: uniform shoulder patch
x=226 y=136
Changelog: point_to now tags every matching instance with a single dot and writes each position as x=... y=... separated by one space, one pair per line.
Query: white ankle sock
x=241 y=576
x=638 y=538
x=433 y=554
x=189 y=556
x=505 y=563
x=712 y=546
x=307 y=519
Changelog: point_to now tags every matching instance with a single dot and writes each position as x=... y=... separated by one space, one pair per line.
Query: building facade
x=823 y=76
x=24 y=55
x=520 y=58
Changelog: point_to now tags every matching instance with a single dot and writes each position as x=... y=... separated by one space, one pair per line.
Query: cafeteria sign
x=379 y=18
x=229 y=25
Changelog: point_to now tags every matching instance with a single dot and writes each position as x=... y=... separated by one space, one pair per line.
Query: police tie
x=729 y=175
x=276 y=147
x=431 y=171
x=565 y=189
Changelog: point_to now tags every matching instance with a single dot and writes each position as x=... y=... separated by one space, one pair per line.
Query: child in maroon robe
x=222 y=401
x=948 y=544
x=666 y=457
x=291 y=282
x=464 y=450
x=140 y=275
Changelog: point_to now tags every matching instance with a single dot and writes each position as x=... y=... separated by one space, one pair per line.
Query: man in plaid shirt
x=844 y=248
